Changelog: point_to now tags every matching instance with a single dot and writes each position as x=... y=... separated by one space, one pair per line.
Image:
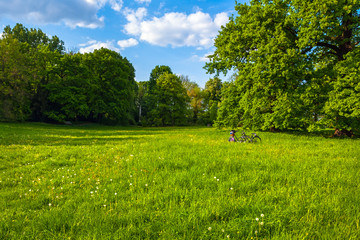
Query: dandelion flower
x=130 y=184
x=115 y=193
x=257 y=219
x=209 y=228
x=262 y=223
x=262 y=215
x=223 y=230
x=49 y=204
x=146 y=185
x=228 y=236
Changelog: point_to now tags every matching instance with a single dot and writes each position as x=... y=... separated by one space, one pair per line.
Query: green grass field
x=98 y=182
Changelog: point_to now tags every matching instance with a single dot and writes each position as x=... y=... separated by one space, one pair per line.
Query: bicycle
x=250 y=139
x=244 y=138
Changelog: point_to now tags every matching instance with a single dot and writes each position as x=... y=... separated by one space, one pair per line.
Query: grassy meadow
x=101 y=182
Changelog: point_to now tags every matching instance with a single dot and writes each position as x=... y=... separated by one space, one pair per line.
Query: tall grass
x=97 y=182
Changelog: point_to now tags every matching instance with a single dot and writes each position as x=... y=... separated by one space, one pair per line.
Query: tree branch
x=337 y=50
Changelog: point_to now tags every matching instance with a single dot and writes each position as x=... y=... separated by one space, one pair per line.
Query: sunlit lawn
x=98 y=182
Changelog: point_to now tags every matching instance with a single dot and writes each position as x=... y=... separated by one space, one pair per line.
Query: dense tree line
x=168 y=100
x=296 y=62
x=39 y=81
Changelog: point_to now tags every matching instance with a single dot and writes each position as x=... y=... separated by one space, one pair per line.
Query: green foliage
x=34 y=37
x=16 y=81
x=113 y=87
x=286 y=56
x=170 y=101
x=212 y=99
x=155 y=74
x=149 y=96
x=41 y=83
x=343 y=108
x=196 y=100
x=101 y=182
x=69 y=90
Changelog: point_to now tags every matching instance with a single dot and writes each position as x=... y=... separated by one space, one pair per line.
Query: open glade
x=101 y=182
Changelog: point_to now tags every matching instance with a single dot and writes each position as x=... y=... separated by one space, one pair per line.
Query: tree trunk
x=343 y=133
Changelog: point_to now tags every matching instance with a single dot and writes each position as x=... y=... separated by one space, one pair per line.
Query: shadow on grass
x=325 y=133
x=53 y=135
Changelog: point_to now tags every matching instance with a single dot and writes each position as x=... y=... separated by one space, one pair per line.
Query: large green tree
x=113 y=88
x=149 y=95
x=170 y=97
x=69 y=90
x=287 y=56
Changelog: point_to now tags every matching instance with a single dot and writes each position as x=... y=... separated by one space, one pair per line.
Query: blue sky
x=178 y=34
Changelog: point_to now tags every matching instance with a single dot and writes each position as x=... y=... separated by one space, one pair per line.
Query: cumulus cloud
x=91 y=45
x=131 y=42
x=175 y=29
x=133 y=27
x=74 y=13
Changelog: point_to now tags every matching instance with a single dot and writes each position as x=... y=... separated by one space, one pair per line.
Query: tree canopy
x=40 y=82
x=296 y=64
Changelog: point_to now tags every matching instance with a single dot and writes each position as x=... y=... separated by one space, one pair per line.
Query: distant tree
x=112 y=87
x=170 y=101
x=34 y=37
x=44 y=62
x=38 y=54
x=150 y=99
x=141 y=99
x=195 y=96
x=156 y=73
x=212 y=98
x=68 y=90
x=16 y=81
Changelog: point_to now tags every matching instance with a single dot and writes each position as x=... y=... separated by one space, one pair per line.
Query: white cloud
x=175 y=29
x=74 y=13
x=203 y=58
x=143 y=1
x=133 y=27
x=116 y=4
x=91 y=45
x=221 y=19
x=131 y=42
